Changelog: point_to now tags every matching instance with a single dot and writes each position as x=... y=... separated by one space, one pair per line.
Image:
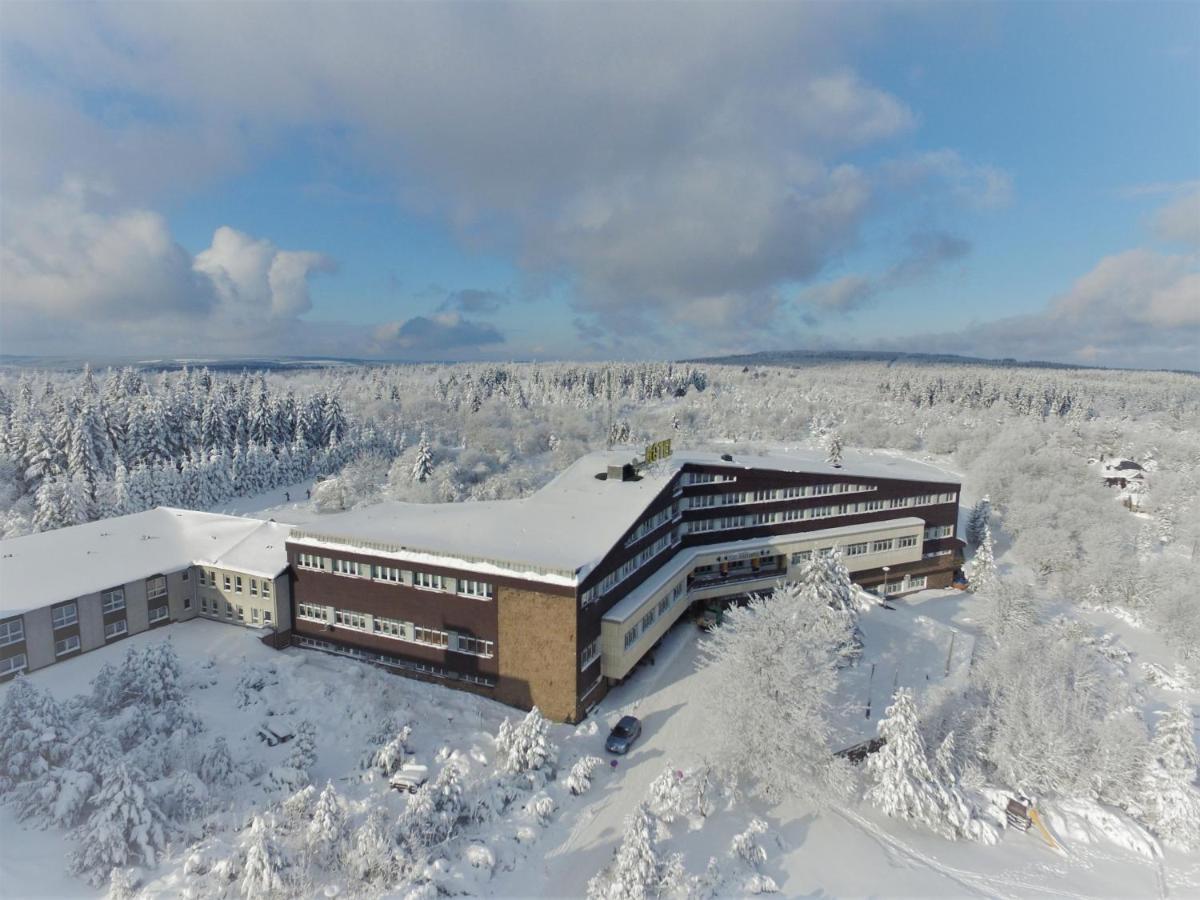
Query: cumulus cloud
x=255 y=277
x=664 y=163
x=428 y=336
x=926 y=253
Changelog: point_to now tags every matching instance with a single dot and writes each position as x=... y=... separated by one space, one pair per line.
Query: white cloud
x=253 y=276
x=427 y=337
x=1179 y=220
x=974 y=184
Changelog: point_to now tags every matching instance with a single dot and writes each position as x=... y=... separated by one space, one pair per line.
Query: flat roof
x=54 y=566
x=563 y=530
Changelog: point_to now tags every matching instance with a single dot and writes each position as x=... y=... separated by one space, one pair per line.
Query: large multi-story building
x=68 y=591
x=549 y=599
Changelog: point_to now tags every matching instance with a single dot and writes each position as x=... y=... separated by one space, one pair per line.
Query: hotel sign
x=658 y=451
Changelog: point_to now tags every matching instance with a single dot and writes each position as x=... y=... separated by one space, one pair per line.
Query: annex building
x=71 y=590
x=549 y=599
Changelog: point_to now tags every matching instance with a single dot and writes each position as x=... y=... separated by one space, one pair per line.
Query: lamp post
x=885 y=578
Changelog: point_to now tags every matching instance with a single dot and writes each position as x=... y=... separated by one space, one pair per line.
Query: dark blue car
x=623 y=735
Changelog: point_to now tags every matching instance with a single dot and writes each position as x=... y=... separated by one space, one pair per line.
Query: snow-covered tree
x=423 y=463
x=371 y=855
x=434 y=813
x=771 y=723
x=216 y=767
x=833 y=449
x=390 y=757
x=264 y=868
x=126 y=825
x=34 y=734
x=327 y=828
x=638 y=871
x=122 y=884
x=902 y=783
x=978 y=520
x=748 y=855
x=983 y=566
x=526 y=746
x=1169 y=792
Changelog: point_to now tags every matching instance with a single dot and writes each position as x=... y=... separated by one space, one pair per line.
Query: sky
x=601 y=181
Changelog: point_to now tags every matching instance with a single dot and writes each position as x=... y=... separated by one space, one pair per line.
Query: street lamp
x=885 y=577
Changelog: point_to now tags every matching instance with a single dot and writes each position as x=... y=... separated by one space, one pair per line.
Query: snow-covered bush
x=122 y=884
x=253 y=679
x=580 y=778
x=748 y=855
x=371 y=857
x=390 y=757
x=327 y=827
x=1169 y=794
x=678 y=794
x=33 y=737
x=264 y=865
x=216 y=767
x=434 y=813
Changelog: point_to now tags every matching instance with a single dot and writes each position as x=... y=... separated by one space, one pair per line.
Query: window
x=187 y=602
x=115 y=629
x=664 y=604
x=937 y=532
x=156 y=587
x=228 y=583
x=65 y=615
x=12 y=664
x=647 y=621
x=430 y=636
x=631 y=637
x=158 y=613
x=427 y=580
x=253 y=587
x=872 y=505
x=113 y=600
x=311 y=611
x=856 y=549
x=266 y=587
x=241 y=614
x=266 y=617
x=229 y=610
x=237 y=584
x=881 y=546
x=12 y=631
x=801 y=556
x=472 y=588
x=386 y=573
x=66 y=645
x=917 y=583
x=254 y=614
x=391 y=627
x=909 y=540
x=819 y=489
x=345 y=567
x=185 y=575
x=212 y=579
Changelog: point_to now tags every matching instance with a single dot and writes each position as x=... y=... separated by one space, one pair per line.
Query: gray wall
x=91 y=622
x=137 y=613
x=283 y=602
x=177 y=589
x=39 y=638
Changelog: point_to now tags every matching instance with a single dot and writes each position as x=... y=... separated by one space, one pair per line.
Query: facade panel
x=39 y=638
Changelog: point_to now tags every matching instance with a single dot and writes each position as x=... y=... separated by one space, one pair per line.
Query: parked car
x=621 y=738
x=409 y=777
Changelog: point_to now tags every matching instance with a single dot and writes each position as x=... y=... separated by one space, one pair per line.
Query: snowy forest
x=1076 y=689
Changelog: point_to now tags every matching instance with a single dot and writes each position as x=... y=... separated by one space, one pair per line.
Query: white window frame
x=312 y=612
x=390 y=574
x=66 y=645
x=480 y=590
x=156 y=587
x=266 y=587
x=590 y=654
x=861 y=548
x=228 y=582
x=253 y=587
x=11 y=664
x=158 y=613
x=427 y=581
x=112 y=600
x=908 y=540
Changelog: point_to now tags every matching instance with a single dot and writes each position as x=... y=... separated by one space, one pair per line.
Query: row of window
x=751 y=520
x=590 y=654
x=393 y=662
x=398 y=630
x=233 y=584
x=216 y=607
x=935 y=532
x=859 y=549
x=904 y=585
x=11 y=664
x=612 y=579
x=655 y=613
x=705 y=478
x=659 y=518
x=467 y=587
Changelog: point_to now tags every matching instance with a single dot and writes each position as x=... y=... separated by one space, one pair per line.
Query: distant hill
x=801 y=358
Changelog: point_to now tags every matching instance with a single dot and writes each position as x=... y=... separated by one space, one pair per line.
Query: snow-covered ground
x=845 y=851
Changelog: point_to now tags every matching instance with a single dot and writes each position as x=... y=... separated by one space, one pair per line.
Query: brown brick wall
x=538 y=652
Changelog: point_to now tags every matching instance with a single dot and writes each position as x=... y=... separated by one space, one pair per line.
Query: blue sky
x=460 y=181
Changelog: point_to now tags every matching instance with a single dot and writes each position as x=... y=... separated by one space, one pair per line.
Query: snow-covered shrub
x=253 y=679
x=526 y=746
x=638 y=871
x=216 y=767
x=298 y=808
x=263 y=865
x=122 y=884
x=580 y=779
x=772 y=723
x=371 y=855
x=748 y=855
x=434 y=812
x=679 y=794
x=126 y=825
x=541 y=807
x=304 y=746
x=390 y=757
x=33 y=737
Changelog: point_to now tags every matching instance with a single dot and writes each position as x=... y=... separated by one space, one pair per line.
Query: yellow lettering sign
x=658 y=451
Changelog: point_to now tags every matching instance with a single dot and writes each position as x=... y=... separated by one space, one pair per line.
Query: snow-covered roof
x=559 y=533
x=41 y=569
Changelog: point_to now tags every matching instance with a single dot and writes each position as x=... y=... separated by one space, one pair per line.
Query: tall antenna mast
x=608 y=399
